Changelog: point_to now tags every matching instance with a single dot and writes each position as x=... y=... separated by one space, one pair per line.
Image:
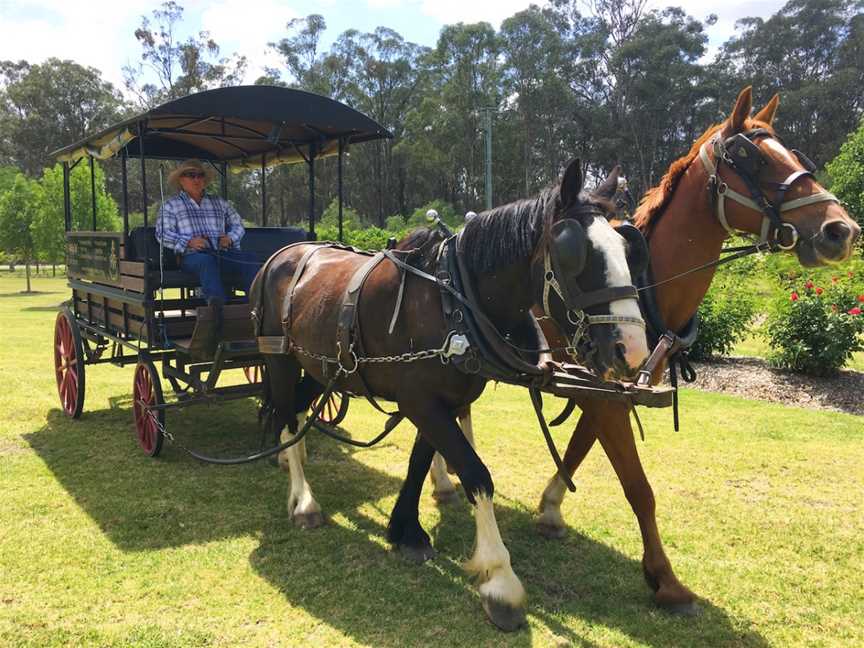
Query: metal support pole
x=93 y=190
x=143 y=171
x=125 y=180
x=339 y=182
x=67 y=200
x=224 y=179
x=312 y=151
x=263 y=190
x=488 y=112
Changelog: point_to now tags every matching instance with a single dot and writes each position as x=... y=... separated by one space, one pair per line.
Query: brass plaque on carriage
x=94 y=256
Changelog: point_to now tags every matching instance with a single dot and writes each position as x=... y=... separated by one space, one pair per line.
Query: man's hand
x=198 y=243
x=225 y=242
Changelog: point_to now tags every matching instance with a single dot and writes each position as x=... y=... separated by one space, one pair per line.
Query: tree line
x=610 y=82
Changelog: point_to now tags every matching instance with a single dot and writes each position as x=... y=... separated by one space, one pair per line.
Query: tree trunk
x=27 y=273
x=53 y=269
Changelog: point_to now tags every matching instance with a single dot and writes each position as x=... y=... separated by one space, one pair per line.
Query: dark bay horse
x=507 y=256
x=682 y=219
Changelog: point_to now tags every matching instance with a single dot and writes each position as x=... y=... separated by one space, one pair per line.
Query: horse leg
x=285 y=395
x=616 y=437
x=404 y=530
x=550 y=522
x=304 y=510
x=444 y=491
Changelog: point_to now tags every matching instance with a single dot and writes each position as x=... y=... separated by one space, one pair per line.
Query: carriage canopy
x=246 y=127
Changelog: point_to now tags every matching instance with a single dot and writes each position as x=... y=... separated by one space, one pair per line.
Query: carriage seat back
x=260 y=241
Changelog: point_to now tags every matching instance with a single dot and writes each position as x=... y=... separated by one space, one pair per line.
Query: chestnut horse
x=507 y=257
x=682 y=219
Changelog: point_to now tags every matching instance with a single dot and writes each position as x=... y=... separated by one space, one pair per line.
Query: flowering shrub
x=816 y=329
x=724 y=315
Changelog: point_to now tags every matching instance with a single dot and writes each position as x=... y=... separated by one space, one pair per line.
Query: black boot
x=215 y=337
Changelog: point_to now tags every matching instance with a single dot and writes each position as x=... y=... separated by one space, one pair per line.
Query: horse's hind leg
x=283 y=379
x=550 y=522
x=443 y=489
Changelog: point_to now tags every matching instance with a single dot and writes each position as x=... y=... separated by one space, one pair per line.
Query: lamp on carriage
x=469 y=215
x=431 y=216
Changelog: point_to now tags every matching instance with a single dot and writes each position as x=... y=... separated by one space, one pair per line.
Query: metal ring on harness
x=351 y=354
x=794 y=231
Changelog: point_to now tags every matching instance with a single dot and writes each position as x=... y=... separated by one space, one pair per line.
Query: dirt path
x=753 y=378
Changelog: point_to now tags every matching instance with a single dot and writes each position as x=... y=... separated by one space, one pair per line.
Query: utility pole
x=487 y=111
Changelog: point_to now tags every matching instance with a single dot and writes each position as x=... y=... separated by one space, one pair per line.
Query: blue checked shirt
x=181 y=219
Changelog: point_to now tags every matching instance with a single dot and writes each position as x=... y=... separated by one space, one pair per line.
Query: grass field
x=760 y=507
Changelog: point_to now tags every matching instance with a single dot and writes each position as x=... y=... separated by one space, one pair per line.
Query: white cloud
x=449 y=12
x=246 y=27
x=98 y=36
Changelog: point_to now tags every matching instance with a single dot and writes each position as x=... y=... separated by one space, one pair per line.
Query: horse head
x=772 y=188
x=586 y=284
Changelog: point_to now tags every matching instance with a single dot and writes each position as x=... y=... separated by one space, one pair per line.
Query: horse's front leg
x=550 y=522
x=616 y=437
x=305 y=512
x=443 y=489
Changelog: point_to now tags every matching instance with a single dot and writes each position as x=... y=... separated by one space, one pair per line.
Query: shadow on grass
x=344 y=574
x=42 y=309
x=32 y=293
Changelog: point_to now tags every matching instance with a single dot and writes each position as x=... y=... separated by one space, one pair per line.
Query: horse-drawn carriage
x=132 y=304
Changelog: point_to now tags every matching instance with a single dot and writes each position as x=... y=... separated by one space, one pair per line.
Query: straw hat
x=190 y=165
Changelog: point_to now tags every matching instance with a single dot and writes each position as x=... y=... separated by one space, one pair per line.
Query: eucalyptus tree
x=44 y=106
x=812 y=51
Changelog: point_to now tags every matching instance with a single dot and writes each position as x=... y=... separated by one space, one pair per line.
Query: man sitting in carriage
x=205 y=230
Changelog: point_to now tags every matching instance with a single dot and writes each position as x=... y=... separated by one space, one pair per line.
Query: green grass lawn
x=760 y=508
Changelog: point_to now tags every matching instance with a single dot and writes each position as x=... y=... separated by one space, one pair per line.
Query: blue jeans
x=216 y=270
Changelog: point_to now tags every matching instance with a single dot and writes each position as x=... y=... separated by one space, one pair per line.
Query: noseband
x=576 y=301
x=741 y=155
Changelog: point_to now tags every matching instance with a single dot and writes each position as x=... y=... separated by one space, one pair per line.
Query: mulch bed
x=753 y=378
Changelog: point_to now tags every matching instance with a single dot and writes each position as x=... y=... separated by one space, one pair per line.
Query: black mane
x=511 y=233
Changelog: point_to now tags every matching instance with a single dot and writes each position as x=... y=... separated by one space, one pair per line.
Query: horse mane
x=513 y=232
x=656 y=199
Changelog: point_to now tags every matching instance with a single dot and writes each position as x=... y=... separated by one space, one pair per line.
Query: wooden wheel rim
x=330 y=412
x=66 y=364
x=147 y=428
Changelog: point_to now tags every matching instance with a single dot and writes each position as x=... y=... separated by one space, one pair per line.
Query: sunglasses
x=195 y=175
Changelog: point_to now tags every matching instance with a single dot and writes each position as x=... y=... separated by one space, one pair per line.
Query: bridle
x=576 y=301
x=744 y=158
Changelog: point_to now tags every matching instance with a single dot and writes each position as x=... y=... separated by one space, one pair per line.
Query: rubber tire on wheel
x=69 y=363
x=149 y=424
x=334 y=410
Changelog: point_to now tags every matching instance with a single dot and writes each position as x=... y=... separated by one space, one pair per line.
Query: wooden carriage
x=131 y=303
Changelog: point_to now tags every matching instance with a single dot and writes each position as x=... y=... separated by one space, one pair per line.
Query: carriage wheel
x=69 y=363
x=253 y=373
x=147 y=391
x=334 y=410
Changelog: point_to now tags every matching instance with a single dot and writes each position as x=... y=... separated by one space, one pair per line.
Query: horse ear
x=571 y=183
x=767 y=113
x=609 y=186
x=741 y=111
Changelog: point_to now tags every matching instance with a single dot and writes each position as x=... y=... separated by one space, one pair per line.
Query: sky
x=100 y=33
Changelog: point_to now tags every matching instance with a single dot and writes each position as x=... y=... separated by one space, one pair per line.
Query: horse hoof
x=309 y=520
x=446 y=497
x=551 y=531
x=688 y=609
x=417 y=555
x=504 y=616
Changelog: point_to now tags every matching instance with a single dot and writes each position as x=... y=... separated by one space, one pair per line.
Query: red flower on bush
x=861 y=298
x=809 y=284
x=854 y=311
x=794 y=296
x=818 y=291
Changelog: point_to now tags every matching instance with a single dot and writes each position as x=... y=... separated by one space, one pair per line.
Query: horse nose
x=838 y=232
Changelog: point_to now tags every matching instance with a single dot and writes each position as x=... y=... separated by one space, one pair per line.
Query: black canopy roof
x=238 y=125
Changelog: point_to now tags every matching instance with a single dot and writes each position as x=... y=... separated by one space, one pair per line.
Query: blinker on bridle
x=743 y=156
x=565 y=255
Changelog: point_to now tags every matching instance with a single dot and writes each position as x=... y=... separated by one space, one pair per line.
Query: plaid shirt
x=181 y=219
